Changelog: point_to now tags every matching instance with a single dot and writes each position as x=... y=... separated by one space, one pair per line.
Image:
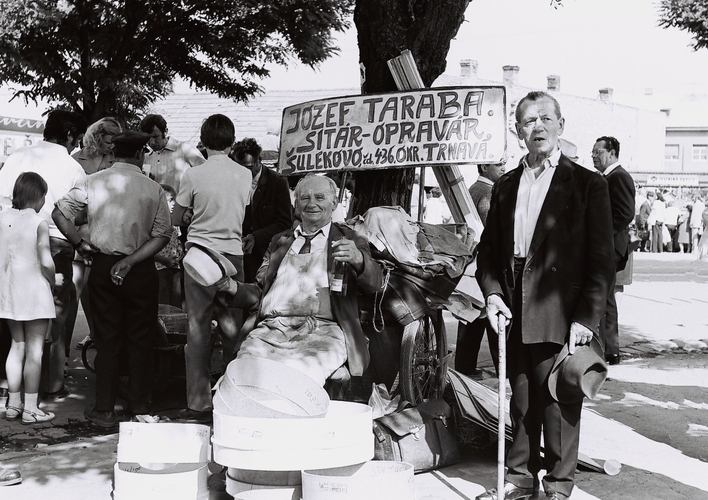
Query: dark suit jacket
x=344 y=308
x=269 y=213
x=570 y=263
x=621 y=186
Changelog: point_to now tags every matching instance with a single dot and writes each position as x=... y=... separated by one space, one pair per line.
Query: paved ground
x=651 y=414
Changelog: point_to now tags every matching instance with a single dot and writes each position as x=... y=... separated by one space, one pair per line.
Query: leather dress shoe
x=9 y=477
x=554 y=495
x=612 y=359
x=511 y=492
x=199 y=417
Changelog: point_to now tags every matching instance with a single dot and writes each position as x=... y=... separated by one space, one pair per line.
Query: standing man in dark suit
x=269 y=210
x=605 y=154
x=545 y=264
x=469 y=336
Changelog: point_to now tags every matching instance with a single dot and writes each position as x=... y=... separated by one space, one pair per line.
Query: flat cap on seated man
x=300 y=322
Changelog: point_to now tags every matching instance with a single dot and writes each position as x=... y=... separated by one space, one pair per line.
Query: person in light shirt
x=545 y=265
x=50 y=159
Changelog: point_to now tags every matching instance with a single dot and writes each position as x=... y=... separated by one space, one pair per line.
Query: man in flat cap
x=129 y=222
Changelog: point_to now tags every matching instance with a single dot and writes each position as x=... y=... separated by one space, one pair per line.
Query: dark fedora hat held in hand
x=579 y=375
x=206 y=266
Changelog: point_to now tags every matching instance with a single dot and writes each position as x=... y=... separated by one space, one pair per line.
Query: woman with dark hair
x=26 y=281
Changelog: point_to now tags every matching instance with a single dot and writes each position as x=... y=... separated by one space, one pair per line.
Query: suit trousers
x=125 y=318
x=203 y=303
x=657 y=238
x=609 y=328
x=469 y=341
x=533 y=411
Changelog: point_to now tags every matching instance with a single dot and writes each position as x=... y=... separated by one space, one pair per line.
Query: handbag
x=421 y=435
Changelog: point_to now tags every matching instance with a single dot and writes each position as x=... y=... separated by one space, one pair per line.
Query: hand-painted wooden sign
x=441 y=126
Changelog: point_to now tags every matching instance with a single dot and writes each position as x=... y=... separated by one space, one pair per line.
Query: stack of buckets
x=166 y=460
x=281 y=438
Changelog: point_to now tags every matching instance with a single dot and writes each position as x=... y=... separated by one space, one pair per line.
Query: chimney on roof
x=511 y=75
x=606 y=94
x=468 y=68
x=554 y=83
x=666 y=111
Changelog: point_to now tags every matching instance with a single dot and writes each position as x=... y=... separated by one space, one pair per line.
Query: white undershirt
x=529 y=201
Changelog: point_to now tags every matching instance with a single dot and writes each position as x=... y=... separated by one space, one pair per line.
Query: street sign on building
x=672 y=180
x=441 y=126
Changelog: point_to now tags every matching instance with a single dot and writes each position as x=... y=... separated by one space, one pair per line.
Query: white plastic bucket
x=266 y=477
x=255 y=387
x=294 y=459
x=190 y=484
x=246 y=491
x=367 y=481
x=346 y=424
x=166 y=443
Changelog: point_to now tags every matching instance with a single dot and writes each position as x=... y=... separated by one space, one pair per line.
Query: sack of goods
x=422 y=436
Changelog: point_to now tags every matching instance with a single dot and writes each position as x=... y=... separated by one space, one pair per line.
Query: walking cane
x=501 y=427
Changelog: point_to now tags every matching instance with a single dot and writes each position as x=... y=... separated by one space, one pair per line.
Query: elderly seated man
x=300 y=321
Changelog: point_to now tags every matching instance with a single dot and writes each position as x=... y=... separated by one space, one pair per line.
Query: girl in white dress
x=26 y=281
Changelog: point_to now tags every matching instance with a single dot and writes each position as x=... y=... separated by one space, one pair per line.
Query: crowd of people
x=667 y=222
x=136 y=218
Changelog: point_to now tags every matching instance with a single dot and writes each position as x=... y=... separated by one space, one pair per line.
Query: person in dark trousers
x=469 y=336
x=605 y=158
x=269 y=210
x=130 y=223
x=545 y=265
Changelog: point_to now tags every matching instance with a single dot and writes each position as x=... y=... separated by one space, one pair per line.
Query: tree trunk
x=385 y=28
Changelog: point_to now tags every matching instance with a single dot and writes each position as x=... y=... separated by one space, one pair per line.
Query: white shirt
x=671 y=215
x=696 y=214
x=529 y=200
x=52 y=161
x=610 y=168
x=657 y=213
x=317 y=244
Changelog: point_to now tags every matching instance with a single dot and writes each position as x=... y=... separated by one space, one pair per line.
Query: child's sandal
x=13 y=413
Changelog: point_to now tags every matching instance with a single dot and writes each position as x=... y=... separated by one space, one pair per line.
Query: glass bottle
x=340 y=274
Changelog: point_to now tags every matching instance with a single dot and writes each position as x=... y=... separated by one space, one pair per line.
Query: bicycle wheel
x=86 y=358
x=424 y=359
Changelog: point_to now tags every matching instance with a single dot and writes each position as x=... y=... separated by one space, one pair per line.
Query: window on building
x=700 y=152
x=671 y=152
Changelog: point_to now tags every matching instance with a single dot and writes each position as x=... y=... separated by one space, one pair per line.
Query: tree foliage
x=114 y=57
x=686 y=15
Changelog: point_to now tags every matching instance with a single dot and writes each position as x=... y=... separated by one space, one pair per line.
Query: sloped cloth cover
x=400 y=239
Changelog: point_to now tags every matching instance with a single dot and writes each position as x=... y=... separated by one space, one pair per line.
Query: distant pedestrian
x=168 y=159
x=269 y=210
x=130 y=223
x=96 y=155
x=50 y=158
x=671 y=214
x=695 y=221
x=684 y=229
x=642 y=217
x=469 y=336
x=167 y=261
x=656 y=221
x=605 y=158
x=218 y=193
x=26 y=281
